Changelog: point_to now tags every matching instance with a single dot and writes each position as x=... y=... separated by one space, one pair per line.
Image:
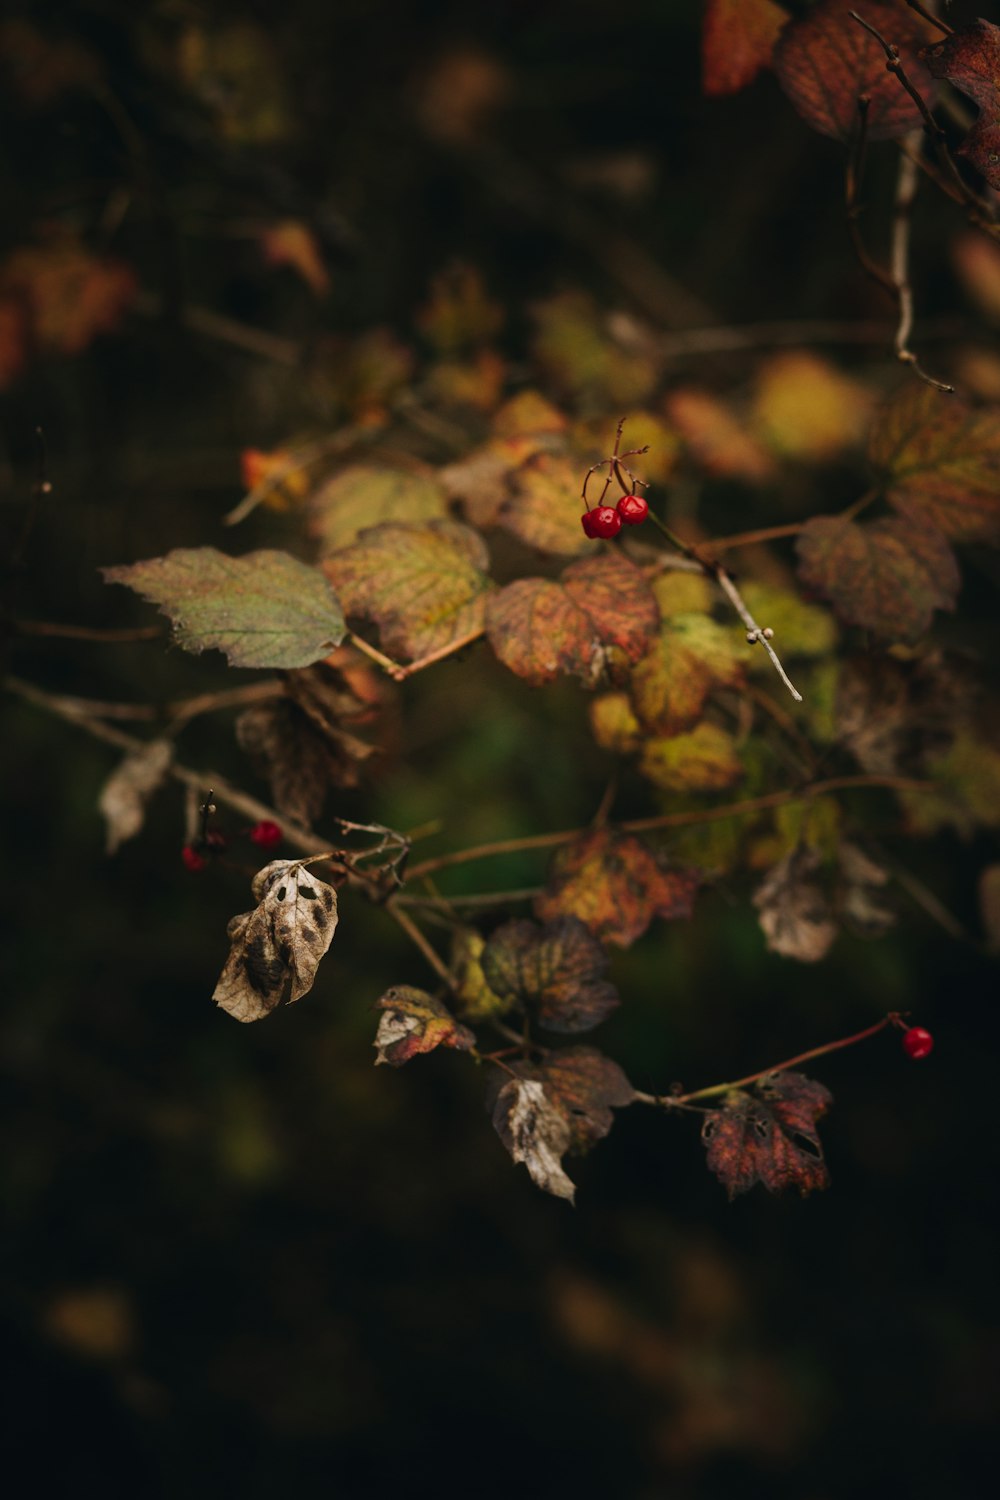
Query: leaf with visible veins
x=690 y=657
x=970 y=60
x=600 y=607
x=279 y=943
x=940 y=461
x=888 y=576
x=556 y=972
x=825 y=62
x=363 y=495
x=263 y=610
x=614 y=883
x=413 y=1022
x=769 y=1136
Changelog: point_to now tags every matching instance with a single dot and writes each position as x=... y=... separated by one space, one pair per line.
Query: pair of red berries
x=265 y=834
x=605 y=521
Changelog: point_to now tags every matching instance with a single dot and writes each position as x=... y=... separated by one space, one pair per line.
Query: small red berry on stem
x=633 y=510
x=193 y=861
x=917 y=1043
x=605 y=522
x=587 y=522
x=266 y=834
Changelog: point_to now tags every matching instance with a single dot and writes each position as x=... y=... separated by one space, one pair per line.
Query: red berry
x=266 y=834
x=633 y=510
x=587 y=522
x=193 y=861
x=604 y=522
x=917 y=1043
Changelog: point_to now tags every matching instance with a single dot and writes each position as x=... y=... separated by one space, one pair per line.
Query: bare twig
x=407 y=924
x=106 y=635
x=906 y=189
x=754 y=631
x=751 y=538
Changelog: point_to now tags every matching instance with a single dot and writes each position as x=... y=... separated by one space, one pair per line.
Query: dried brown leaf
x=769 y=1136
x=556 y=972
x=970 y=60
x=127 y=790
x=413 y=1022
x=793 y=908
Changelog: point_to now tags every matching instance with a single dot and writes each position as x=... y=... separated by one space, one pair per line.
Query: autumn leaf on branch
x=939 y=460
x=363 y=496
x=413 y=1022
x=474 y=999
x=795 y=913
x=737 y=41
x=704 y=759
x=614 y=883
x=825 y=62
x=536 y=1133
x=279 y=943
x=888 y=576
x=690 y=658
x=970 y=60
x=423 y=584
x=263 y=610
x=599 y=608
x=556 y=972
x=127 y=790
x=769 y=1136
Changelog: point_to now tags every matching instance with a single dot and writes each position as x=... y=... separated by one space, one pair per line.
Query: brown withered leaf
x=279 y=943
x=413 y=1022
x=536 y=1133
x=891 y=714
x=888 y=576
x=127 y=790
x=422 y=583
x=556 y=972
x=718 y=441
x=970 y=60
x=769 y=1136
x=475 y=1000
x=706 y=759
x=861 y=901
x=737 y=41
x=794 y=911
x=543 y=506
x=599 y=607
x=825 y=62
x=364 y=495
x=690 y=658
x=302 y=741
x=614 y=883
x=586 y=1086
x=940 y=462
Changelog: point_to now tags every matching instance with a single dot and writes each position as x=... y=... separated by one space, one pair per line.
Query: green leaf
x=614 y=883
x=614 y=724
x=690 y=658
x=422 y=583
x=476 y=1001
x=413 y=1022
x=263 y=610
x=362 y=496
x=601 y=609
x=888 y=576
x=555 y=972
x=939 y=460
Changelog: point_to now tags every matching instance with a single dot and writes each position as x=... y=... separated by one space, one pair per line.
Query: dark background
x=237 y=1257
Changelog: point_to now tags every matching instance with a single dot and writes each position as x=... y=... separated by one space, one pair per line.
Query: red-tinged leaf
x=600 y=609
x=737 y=41
x=887 y=576
x=586 y=1086
x=363 y=496
x=825 y=62
x=536 y=1133
x=263 y=610
x=543 y=506
x=705 y=760
x=413 y=1022
x=795 y=914
x=970 y=60
x=940 y=462
x=719 y=442
x=614 y=883
x=690 y=658
x=277 y=479
x=555 y=972
x=69 y=295
x=769 y=1136
x=422 y=583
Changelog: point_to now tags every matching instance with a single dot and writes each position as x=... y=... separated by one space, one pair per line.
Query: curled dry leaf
x=795 y=914
x=614 y=883
x=769 y=1136
x=127 y=790
x=825 y=62
x=413 y=1022
x=535 y=1132
x=555 y=972
x=279 y=943
x=970 y=60
x=599 y=607
x=263 y=610
x=887 y=576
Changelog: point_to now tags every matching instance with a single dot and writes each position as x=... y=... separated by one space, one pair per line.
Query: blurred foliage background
x=238 y=1257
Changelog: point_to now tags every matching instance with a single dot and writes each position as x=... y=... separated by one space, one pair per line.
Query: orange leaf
x=737 y=41
x=613 y=882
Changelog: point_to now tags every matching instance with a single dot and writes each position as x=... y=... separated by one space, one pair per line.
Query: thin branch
x=752 y=337
x=906 y=190
x=853 y=175
x=225 y=330
x=929 y=16
x=751 y=538
x=486 y=899
x=184 y=709
x=416 y=937
x=104 y=634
